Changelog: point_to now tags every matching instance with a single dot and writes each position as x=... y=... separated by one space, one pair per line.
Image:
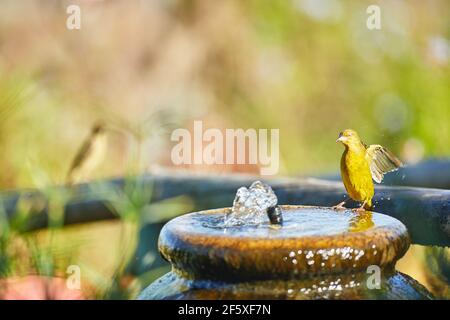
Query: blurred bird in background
x=360 y=164
x=89 y=155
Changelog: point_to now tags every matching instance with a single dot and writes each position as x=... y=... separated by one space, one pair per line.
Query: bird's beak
x=341 y=138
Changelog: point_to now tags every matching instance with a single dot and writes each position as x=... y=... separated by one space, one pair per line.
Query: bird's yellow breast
x=356 y=175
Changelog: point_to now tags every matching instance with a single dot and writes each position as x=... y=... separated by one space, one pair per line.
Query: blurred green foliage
x=437 y=261
x=310 y=68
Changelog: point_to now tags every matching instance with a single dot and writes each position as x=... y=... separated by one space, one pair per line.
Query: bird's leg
x=340 y=205
x=360 y=209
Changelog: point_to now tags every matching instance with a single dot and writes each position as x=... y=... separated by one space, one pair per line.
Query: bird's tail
x=368 y=206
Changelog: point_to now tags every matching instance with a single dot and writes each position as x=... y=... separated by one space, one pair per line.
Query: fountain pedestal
x=318 y=253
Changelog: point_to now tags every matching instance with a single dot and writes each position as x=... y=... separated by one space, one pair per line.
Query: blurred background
x=308 y=67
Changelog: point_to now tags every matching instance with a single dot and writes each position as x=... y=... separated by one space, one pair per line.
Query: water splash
x=250 y=205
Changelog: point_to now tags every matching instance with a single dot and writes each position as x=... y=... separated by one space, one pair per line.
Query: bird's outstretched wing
x=381 y=161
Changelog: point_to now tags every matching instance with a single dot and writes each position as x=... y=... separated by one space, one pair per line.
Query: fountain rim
x=285 y=208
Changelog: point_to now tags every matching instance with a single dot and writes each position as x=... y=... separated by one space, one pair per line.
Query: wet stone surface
x=394 y=285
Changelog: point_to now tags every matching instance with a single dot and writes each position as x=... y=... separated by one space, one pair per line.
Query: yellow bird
x=360 y=164
x=89 y=155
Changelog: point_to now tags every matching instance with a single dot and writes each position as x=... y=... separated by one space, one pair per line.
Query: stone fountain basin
x=318 y=253
x=312 y=241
